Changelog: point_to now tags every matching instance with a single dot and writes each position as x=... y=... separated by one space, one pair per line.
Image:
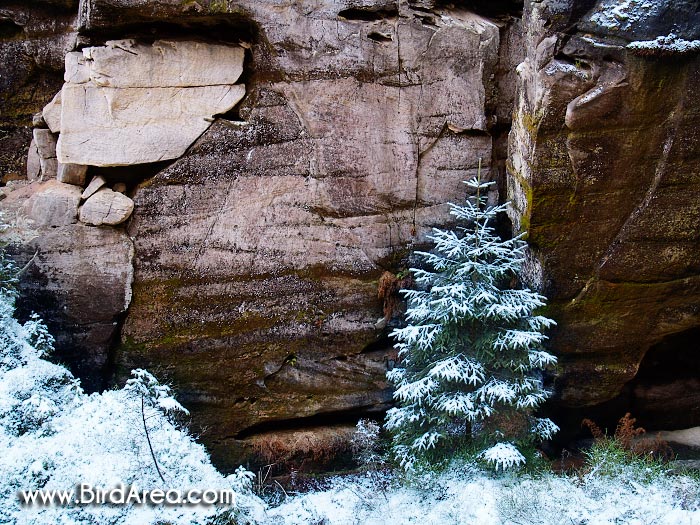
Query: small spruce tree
x=471 y=357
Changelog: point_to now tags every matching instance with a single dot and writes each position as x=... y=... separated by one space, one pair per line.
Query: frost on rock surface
x=54 y=436
x=624 y=15
x=669 y=44
x=471 y=357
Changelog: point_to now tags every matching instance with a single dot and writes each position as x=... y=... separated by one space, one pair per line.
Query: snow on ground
x=54 y=437
x=469 y=497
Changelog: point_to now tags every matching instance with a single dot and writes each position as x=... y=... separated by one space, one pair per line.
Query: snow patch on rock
x=624 y=15
x=669 y=44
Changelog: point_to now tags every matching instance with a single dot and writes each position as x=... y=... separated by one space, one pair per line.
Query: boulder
x=72 y=173
x=95 y=184
x=76 y=277
x=53 y=204
x=45 y=143
x=52 y=113
x=106 y=207
x=128 y=103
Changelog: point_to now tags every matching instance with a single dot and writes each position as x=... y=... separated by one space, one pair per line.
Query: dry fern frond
x=595 y=429
x=626 y=431
x=388 y=291
x=626 y=436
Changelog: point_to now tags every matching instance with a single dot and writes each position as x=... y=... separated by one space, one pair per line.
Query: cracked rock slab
x=106 y=207
x=55 y=204
x=95 y=184
x=127 y=103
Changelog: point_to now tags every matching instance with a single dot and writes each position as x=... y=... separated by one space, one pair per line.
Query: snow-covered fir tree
x=471 y=356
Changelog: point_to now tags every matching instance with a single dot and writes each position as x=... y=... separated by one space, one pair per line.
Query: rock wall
x=603 y=171
x=259 y=251
x=77 y=276
x=256 y=253
x=234 y=177
x=34 y=38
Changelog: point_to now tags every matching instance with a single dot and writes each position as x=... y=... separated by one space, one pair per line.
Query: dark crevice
x=427 y=20
x=472 y=133
x=379 y=37
x=325 y=419
x=132 y=175
x=383 y=343
x=247 y=79
x=579 y=63
x=420 y=8
x=9 y=29
x=109 y=372
x=500 y=129
x=225 y=30
x=664 y=395
x=675 y=357
x=369 y=14
x=504 y=226
x=499 y=155
x=495 y=9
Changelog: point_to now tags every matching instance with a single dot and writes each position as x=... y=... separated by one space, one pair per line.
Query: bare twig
x=148 y=439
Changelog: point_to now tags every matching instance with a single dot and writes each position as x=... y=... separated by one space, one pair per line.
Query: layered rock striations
x=123 y=103
x=259 y=251
x=604 y=161
x=127 y=103
x=215 y=188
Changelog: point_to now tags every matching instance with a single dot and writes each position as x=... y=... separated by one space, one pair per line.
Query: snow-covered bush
x=471 y=355
x=503 y=456
x=365 y=444
x=53 y=436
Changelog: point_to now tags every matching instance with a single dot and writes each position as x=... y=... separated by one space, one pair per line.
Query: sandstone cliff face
x=247 y=273
x=33 y=41
x=604 y=160
x=258 y=252
x=77 y=276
